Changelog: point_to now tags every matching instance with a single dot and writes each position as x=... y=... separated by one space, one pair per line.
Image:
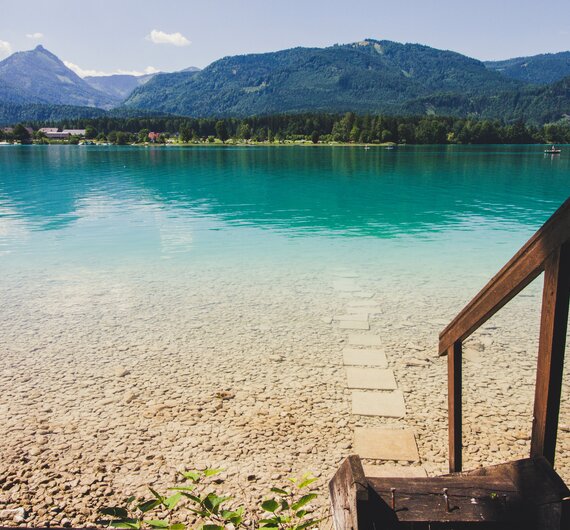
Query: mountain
x=365 y=77
x=38 y=76
x=12 y=113
x=538 y=69
x=117 y=86
x=368 y=76
x=531 y=104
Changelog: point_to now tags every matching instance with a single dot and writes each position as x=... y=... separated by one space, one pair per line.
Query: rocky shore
x=111 y=385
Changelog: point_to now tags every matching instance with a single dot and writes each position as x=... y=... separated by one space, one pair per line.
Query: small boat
x=552 y=151
x=367 y=148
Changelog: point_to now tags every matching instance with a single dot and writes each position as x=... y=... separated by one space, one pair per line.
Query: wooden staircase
x=521 y=495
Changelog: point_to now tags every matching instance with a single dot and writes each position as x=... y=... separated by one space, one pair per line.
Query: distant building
x=153 y=136
x=75 y=132
x=53 y=133
x=56 y=135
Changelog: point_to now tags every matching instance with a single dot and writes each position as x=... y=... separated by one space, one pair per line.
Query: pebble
x=121 y=371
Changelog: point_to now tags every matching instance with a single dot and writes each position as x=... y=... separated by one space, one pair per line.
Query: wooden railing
x=547 y=251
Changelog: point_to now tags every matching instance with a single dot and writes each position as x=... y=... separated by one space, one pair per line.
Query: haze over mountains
x=118 y=86
x=541 y=69
x=368 y=76
x=38 y=76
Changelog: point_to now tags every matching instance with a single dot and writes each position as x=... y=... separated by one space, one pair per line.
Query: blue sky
x=105 y=36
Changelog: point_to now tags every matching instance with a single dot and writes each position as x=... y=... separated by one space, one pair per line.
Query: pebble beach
x=112 y=383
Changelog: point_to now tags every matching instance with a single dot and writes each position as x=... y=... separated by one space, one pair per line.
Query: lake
x=166 y=306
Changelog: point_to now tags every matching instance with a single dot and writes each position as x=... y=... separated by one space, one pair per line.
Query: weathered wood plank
x=552 y=341
x=470 y=499
x=521 y=270
x=455 y=406
x=348 y=493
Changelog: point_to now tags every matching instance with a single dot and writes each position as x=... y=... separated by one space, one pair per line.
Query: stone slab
x=353 y=324
x=348 y=274
x=370 y=378
x=363 y=294
x=472 y=355
x=388 y=470
x=364 y=340
x=386 y=404
x=361 y=317
x=345 y=285
x=363 y=303
x=386 y=444
x=357 y=357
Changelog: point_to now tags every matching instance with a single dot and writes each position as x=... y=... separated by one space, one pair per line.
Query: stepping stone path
x=386 y=444
x=374 y=387
x=387 y=404
x=371 y=378
x=368 y=357
x=353 y=324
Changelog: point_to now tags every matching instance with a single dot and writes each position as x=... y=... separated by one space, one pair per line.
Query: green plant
x=288 y=508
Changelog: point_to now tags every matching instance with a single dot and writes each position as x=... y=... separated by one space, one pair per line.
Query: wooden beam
x=455 y=410
x=552 y=341
x=349 y=495
x=522 y=269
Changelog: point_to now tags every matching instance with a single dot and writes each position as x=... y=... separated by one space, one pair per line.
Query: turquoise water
x=195 y=268
x=420 y=209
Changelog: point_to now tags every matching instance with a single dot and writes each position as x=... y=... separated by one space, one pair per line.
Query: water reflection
x=328 y=192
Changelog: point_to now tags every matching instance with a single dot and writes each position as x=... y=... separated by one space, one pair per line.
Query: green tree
x=387 y=136
x=21 y=134
x=406 y=133
x=123 y=138
x=431 y=131
x=185 y=133
x=244 y=131
x=222 y=130
x=143 y=135
x=354 y=133
x=315 y=137
x=90 y=132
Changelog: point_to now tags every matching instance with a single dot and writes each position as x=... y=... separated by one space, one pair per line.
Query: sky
x=102 y=36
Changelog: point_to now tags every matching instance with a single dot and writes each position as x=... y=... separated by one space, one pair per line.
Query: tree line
x=346 y=128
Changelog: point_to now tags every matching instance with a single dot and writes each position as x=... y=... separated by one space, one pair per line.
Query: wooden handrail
x=549 y=251
x=526 y=265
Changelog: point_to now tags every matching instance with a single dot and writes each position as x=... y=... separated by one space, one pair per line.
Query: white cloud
x=35 y=36
x=81 y=72
x=176 y=39
x=5 y=48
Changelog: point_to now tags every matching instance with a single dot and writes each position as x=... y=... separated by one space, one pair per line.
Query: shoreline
x=282 y=144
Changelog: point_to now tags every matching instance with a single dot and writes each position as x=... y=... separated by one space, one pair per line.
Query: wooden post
x=454 y=400
x=349 y=496
x=553 y=324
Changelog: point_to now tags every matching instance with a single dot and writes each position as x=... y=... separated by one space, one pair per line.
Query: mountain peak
x=40 y=76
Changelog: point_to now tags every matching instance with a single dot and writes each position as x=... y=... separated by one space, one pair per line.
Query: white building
x=74 y=132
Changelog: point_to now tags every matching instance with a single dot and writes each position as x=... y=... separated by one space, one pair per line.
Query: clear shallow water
x=195 y=268
x=425 y=210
